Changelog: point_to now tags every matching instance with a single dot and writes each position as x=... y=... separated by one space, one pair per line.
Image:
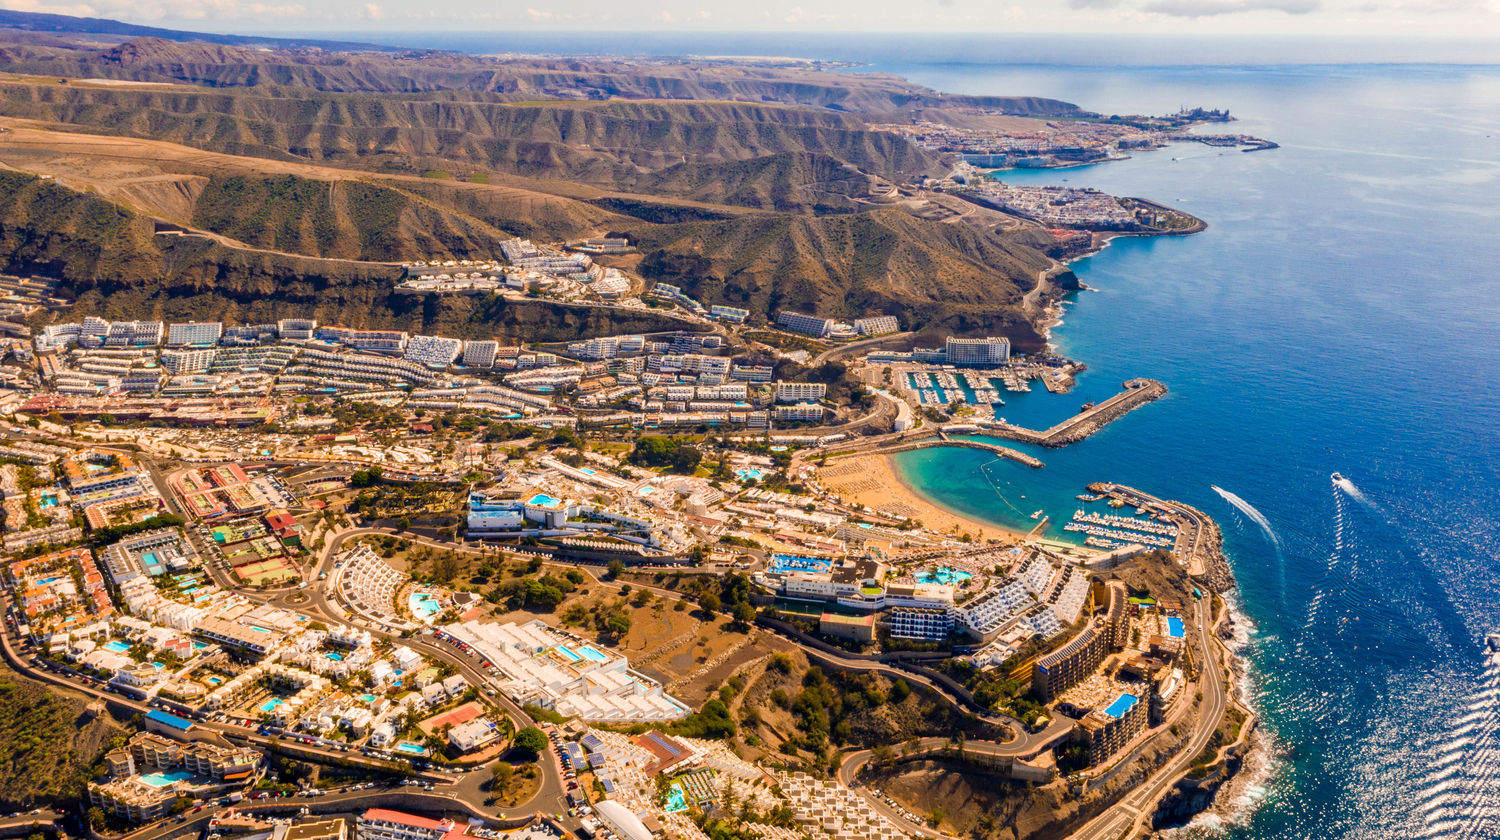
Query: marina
x=1107 y=530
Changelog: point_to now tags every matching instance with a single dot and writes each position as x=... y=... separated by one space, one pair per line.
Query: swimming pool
x=783 y=563
x=676 y=799
x=748 y=474
x=943 y=575
x=1174 y=627
x=1122 y=704
x=542 y=500
x=161 y=780
x=214 y=680
x=424 y=606
x=271 y=705
x=586 y=471
x=336 y=657
x=368 y=698
x=48 y=500
x=778 y=448
x=568 y=653
x=592 y=654
x=117 y=646
x=411 y=749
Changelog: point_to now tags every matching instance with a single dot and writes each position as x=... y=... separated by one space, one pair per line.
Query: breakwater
x=940 y=440
x=1137 y=393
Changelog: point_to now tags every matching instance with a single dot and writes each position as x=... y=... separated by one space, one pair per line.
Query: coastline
x=878 y=484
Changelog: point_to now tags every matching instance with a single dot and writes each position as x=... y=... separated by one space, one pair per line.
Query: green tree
x=709 y=602
x=744 y=613
x=530 y=742
x=900 y=691
x=617 y=625
x=501 y=776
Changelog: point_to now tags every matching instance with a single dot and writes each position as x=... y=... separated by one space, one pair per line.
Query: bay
x=1341 y=313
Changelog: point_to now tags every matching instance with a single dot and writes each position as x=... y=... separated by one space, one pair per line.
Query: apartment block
x=811 y=325
x=978 y=352
x=480 y=353
x=1065 y=667
x=877 y=325
x=194 y=333
x=800 y=392
x=188 y=361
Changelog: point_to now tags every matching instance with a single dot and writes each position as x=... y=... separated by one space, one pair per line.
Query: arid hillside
x=310 y=173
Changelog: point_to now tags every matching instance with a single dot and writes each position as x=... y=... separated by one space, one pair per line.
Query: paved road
x=333 y=802
x=1124 y=818
x=236 y=733
x=1027 y=746
x=551 y=794
x=853 y=347
x=1190 y=540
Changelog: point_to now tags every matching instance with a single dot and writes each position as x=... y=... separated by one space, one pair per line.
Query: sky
x=1397 y=19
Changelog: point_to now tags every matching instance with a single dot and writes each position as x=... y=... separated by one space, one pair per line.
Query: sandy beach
x=871 y=480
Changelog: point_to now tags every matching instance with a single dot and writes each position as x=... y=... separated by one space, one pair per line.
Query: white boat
x=1493 y=641
x=1037 y=515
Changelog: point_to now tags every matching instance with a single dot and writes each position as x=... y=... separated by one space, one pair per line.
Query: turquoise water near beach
x=1340 y=314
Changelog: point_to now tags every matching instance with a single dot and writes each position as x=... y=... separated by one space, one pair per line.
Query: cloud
x=537 y=14
x=1431 y=7
x=793 y=16
x=1093 y=4
x=156 y=10
x=76 y=9
x=374 y=11
x=665 y=16
x=1216 y=8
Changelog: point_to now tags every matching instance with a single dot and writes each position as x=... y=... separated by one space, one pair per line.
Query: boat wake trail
x=1249 y=510
x=1314 y=607
x=1354 y=492
x=1460 y=796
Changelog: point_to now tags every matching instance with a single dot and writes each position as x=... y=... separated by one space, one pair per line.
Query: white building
x=300 y=329
x=799 y=392
x=978 y=352
x=474 y=734
x=542 y=667
x=480 y=353
x=728 y=313
x=133 y=334
x=187 y=361
x=385 y=824
x=806 y=324
x=877 y=325
x=434 y=351
x=799 y=412
x=197 y=333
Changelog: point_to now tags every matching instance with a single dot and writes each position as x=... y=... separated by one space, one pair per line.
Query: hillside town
x=426 y=564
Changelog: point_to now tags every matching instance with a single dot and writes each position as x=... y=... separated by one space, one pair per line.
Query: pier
x=941 y=439
x=1137 y=393
x=1196 y=542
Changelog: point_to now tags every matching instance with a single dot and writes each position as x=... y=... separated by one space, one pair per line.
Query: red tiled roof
x=387 y=815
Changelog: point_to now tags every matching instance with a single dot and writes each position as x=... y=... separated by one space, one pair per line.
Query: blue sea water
x=1341 y=313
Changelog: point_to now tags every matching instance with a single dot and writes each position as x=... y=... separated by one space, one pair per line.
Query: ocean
x=1340 y=314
